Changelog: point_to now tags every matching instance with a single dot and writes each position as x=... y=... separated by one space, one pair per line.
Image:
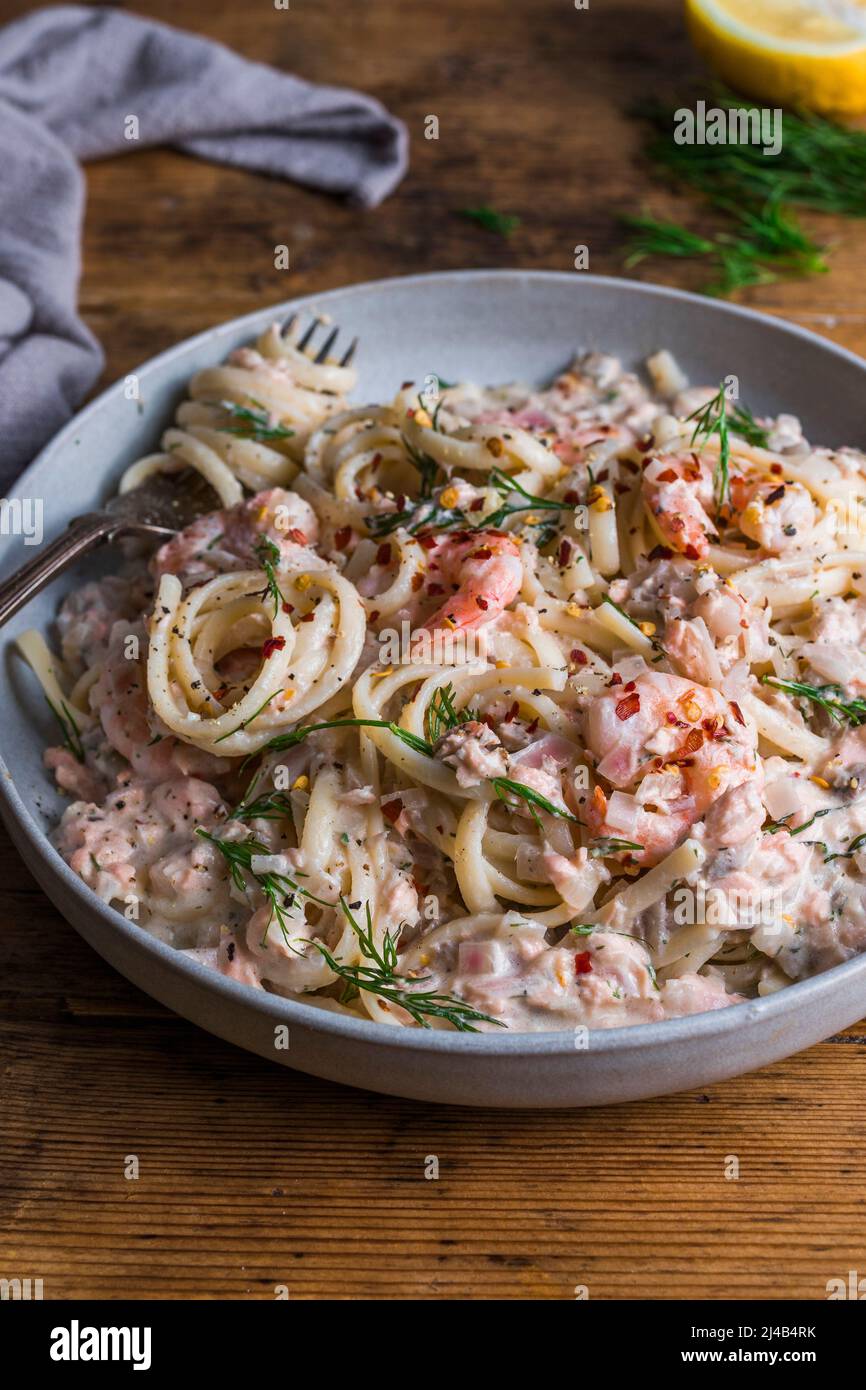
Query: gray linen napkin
x=69 y=79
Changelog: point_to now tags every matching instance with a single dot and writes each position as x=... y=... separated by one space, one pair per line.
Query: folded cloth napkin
x=70 y=77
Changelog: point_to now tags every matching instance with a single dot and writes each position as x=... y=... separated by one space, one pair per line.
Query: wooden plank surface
x=251 y=1176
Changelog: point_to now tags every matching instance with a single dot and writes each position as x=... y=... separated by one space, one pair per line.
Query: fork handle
x=83 y=534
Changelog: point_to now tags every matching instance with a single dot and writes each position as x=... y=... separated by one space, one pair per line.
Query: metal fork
x=158 y=508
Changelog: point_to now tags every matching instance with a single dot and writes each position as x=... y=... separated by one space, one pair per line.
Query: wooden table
x=252 y=1176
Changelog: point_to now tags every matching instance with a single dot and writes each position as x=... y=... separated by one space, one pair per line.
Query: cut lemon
x=794 y=53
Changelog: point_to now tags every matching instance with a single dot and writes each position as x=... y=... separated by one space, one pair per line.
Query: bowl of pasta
x=494 y=737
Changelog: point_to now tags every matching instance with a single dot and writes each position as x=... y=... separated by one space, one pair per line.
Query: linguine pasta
x=487 y=707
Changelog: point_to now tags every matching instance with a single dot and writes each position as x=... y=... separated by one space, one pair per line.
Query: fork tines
x=326 y=349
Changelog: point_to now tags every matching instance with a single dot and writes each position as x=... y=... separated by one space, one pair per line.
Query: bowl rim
x=716 y=1024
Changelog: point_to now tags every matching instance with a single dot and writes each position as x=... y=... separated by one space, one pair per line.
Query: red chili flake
x=221 y=693
x=571 y=497
x=676 y=523
x=620 y=488
x=375 y=460
x=299 y=537
x=645 y=444
x=629 y=706
x=512 y=713
x=417 y=582
x=428 y=542
x=530 y=728
x=391 y=811
x=630 y=465
x=564 y=554
x=660 y=552
x=694 y=741
x=359 y=492
x=691 y=552
x=580 y=657
x=776 y=469
x=307 y=618
x=482 y=603
x=738 y=713
x=671 y=717
x=629 y=687
x=434 y=589
x=342 y=537
x=288 y=607
x=603 y=476
x=483 y=553
x=477 y=505
x=616 y=679
x=383 y=554
x=374 y=615
x=271 y=645
x=583 y=963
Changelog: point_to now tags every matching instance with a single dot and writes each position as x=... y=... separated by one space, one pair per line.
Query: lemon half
x=794 y=53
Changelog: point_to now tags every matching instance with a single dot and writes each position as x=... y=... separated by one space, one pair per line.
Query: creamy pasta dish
x=484 y=708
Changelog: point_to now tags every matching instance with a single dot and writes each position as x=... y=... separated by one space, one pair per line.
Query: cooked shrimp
x=678 y=491
x=485 y=569
x=670 y=749
x=779 y=516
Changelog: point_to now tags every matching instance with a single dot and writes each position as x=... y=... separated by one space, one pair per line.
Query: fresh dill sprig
x=427 y=467
x=820 y=164
x=271 y=805
x=502 y=223
x=253 y=424
x=380 y=978
x=505 y=787
x=769 y=243
x=744 y=424
x=426 y=514
x=279 y=889
x=506 y=486
x=296 y=736
x=441 y=714
x=71 y=732
x=606 y=845
x=249 y=719
x=828 y=697
x=711 y=419
x=857 y=843
x=268 y=555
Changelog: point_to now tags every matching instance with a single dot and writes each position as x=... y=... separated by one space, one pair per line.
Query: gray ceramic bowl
x=491 y=326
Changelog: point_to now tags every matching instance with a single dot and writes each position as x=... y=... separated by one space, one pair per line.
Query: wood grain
x=252 y=1176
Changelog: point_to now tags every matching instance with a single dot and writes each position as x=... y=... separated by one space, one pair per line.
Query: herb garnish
x=827 y=697
x=296 y=736
x=268 y=555
x=279 y=889
x=606 y=845
x=380 y=978
x=441 y=714
x=857 y=843
x=249 y=719
x=253 y=424
x=505 y=787
x=502 y=223
x=711 y=419
x=71 y=732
